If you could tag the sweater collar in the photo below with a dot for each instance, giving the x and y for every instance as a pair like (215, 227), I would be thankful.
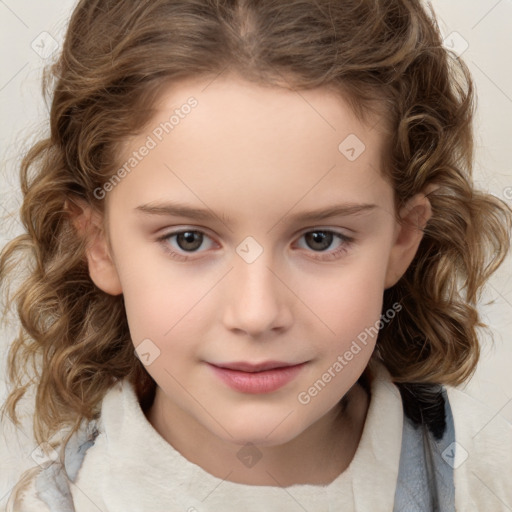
(139, 459)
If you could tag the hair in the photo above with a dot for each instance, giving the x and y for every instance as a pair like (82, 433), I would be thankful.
(383, 57)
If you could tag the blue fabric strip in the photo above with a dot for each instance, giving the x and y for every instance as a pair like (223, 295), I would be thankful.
(425, 475)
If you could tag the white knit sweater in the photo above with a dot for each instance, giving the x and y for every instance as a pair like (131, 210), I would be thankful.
(132, 468)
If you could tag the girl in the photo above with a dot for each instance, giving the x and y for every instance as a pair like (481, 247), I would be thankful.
(302, 352)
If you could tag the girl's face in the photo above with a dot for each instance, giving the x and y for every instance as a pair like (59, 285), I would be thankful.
(290, 241)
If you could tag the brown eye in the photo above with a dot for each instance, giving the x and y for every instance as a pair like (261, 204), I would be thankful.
(189, 240)
(319, 240)
(179, 244)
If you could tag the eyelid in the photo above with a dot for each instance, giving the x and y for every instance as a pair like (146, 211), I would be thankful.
(178, 230)
(331, 229)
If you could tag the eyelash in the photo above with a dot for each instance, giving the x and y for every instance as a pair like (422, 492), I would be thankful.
(326, 256)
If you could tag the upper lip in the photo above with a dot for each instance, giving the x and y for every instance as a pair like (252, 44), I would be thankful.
(244, 366)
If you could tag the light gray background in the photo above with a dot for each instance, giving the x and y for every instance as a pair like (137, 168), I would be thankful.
(484, 24)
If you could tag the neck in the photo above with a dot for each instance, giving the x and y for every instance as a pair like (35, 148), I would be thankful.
(316, 457)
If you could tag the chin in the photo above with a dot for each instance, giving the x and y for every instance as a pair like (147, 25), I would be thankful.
(261, 439)
(269, 433)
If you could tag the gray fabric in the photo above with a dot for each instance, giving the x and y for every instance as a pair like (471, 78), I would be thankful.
(53, 483)
(53, 489)
(425, 479)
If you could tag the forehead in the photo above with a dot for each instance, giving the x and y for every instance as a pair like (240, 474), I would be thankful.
(227, 138)
(232, 106)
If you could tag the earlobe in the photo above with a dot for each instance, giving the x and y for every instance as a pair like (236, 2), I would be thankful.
(415, 215)
(89, 224)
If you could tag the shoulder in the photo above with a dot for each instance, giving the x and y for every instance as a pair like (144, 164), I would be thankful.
(482, 458)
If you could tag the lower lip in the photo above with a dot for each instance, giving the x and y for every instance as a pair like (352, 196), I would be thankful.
(258, 382)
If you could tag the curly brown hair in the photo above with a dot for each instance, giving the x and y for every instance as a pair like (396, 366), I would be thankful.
(382, 56)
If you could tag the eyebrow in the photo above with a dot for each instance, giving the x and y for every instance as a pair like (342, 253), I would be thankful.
(182, 210)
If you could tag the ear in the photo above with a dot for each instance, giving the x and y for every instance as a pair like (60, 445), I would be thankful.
(415, 215)
(89, 224)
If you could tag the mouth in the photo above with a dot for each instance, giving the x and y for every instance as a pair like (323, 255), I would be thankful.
(243, 366)
(256, 378)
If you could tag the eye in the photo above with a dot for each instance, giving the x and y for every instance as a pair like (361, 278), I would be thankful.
(321, 239)
(188, 240)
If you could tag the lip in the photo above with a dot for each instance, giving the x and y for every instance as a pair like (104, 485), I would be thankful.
(244, 366)
(256, 378)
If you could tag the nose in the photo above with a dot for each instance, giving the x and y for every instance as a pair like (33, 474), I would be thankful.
(257, 300)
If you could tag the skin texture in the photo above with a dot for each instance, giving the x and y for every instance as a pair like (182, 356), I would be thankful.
(256, 156)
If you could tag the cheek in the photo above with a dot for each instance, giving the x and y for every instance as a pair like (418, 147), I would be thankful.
(349, 301)
(155, 306)
(166, 302)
